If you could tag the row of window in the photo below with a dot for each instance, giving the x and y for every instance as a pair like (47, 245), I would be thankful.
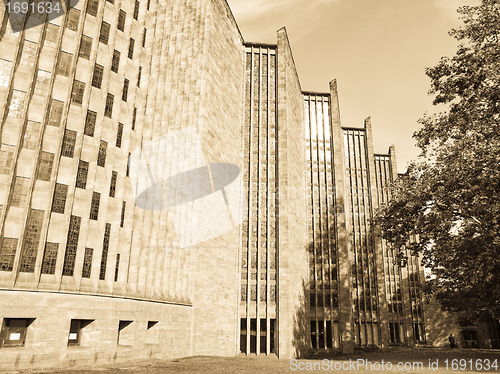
(14, 330)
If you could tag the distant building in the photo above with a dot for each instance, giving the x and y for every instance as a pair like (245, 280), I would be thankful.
(167, 190)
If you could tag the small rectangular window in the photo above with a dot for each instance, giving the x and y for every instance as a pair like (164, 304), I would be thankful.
(153, 333)
(144, 38)
(77, 331)
(77, 94)
(131, 48)
(134, 117)
(117, 265)
(85, 47)
(115, 62)
(104, 34)
(73, 19)
(32, 135)
(64, 64)
(68, 146)
(97, 77)
(112, 187)
(92, 7)
(126, 333)
(90, 121)
(101, 157)
(105, 248)
(50, 258)
(111, 1)
(136, 10)
(139, 76)
(94, 205)
(149, 3)
(108, 110)
(119, 135)
(122, 220)
(29, 250)
(81, 176)
(125, 90)
(121, 20)
(59, 202)
(87, 263)
(45, 166)
(14, 331)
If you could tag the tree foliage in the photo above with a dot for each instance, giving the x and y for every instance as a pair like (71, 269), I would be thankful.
(450, 199)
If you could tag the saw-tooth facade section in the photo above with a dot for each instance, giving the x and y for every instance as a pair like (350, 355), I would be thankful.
(259, 243)
(321, 225)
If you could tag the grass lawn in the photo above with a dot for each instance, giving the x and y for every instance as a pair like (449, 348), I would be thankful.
(397, 360)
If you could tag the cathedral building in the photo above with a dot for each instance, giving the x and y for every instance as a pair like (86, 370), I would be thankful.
(168, 189)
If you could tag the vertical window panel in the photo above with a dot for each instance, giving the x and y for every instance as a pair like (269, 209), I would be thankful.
(28, 54)
(139, 76)
(71, 246)
(45, 166)
(42, 83)
(108, 110)
(77, 94)
(6, 158)
(121, 20)
(64, 63)
(119, 135)
(32, 135)
(69, 141)
(55, 115)
(92, 7)
(17, 104)
(115, 62)
(50, 258)
(125, 89)
(131, 48)
(8, 253)
(97, 77)
(59, 201)
(21, 192)
(31, 241)
(90, 121)
(105, 248)
(101, 157)
(85, 47)
(112, 187)
(73, 19)
(104, 33)
(87, 263)
(5, 69)
(94, 205)
(81, 177)
(117, 265)
(122, 220)
(134, 118)
(136, 10)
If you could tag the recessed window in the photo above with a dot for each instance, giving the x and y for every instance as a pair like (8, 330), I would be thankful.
(68, 147)
(97, 77)
(144, 37)
(101, 157)
(87, 263)
(64, 64)
(112, 187)
(14, 331)
(55, 115)
(77, 330)
(136, 10)
(108, 109)
(125, 89)
(90, 121)
(81, 176)
(85, 47)
(115, 62)
(92, 7)
(121, 20)
(131, 48)
(104, 34)
(128, 165)
(45, 166)
(8, 253)
(122, 221)
(126, 333)
(105, 248)
(139, 76)
(59, 201)
(119, 135)
(94, 206)
(73, 19)
(117, 266)
(134, 117)
(71, 245)
(77, 94)
(50, 258)
(153, 332)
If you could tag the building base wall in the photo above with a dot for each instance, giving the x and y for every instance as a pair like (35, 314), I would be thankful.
(148, 329)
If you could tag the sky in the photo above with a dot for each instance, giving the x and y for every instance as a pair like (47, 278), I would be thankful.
(377, 50)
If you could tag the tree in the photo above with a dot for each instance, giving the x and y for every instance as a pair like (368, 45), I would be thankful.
(450, 198)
